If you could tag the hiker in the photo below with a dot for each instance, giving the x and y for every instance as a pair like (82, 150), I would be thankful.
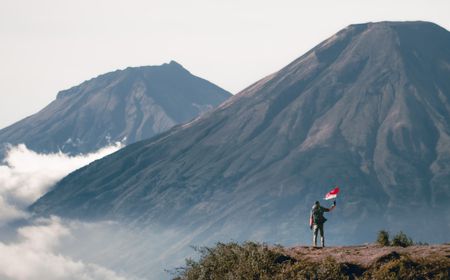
(316, 221)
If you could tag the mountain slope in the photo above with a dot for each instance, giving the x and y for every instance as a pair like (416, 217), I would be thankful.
(125, 105)
(368, 109)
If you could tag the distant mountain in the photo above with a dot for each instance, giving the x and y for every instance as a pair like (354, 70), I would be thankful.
(368, 109)
(125, 105)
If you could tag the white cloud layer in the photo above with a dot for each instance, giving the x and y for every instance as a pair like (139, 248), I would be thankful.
(26, 175)
(35, 256)
(65, 249)
(35, 251)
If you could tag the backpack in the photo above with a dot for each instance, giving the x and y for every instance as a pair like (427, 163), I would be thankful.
(317, 215)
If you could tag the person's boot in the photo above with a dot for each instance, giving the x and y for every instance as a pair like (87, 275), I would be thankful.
(315, 240)
(322, 240)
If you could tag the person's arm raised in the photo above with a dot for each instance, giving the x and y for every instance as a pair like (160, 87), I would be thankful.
(334, 206)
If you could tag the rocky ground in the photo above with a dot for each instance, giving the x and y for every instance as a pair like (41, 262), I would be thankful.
(367, 255)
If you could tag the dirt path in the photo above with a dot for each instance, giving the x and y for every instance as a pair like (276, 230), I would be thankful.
(365, 255)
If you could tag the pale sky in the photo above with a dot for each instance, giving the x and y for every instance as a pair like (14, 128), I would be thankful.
(50, 45)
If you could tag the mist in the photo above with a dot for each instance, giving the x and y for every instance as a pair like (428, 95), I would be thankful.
(35, 255)
(26, 175)
(57, 248)
(32, 248)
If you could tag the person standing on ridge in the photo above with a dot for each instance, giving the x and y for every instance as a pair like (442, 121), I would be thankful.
(316, 221)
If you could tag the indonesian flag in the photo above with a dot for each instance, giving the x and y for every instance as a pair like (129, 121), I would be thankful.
(332, 194)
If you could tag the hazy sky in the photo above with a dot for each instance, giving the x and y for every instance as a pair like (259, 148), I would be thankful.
(51, 45)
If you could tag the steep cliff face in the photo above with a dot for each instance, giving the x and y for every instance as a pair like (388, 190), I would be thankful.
(126, 105)
(368, 109)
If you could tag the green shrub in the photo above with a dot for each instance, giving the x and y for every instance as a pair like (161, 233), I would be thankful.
(383, 238)
(405, 268)
(402, 268)
(234, 261)
(328, 268)
(402, 240)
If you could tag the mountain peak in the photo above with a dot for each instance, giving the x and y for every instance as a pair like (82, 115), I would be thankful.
(388, 44)
(131, 70)
(170, 65)
(396, 24)
(133, 104)
(175, 64)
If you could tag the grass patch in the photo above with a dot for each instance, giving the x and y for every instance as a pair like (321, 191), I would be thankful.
(404, 267)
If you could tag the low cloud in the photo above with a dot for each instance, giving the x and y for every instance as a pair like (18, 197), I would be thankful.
(48, 248)
(34, 255)
(26, 175)
(58, 248)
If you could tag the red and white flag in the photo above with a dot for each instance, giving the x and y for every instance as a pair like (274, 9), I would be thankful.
(332, 194)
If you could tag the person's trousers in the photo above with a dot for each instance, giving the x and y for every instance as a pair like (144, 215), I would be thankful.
(316, 230)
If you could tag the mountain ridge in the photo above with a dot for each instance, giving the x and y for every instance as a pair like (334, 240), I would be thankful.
(172, 63)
